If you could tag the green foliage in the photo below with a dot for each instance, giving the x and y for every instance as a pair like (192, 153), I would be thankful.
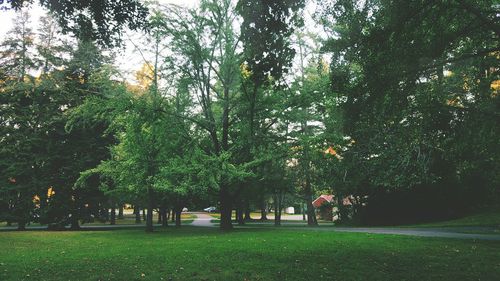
(265, 31)
(38, 154)
(94, 20)
(415, 84)
(407, 109)
(16, 55)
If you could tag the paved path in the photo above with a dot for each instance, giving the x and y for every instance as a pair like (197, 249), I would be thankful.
(422, 232)
(202, 219)
(443, 232)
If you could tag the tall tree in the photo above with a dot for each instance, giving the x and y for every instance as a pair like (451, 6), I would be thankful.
(16, 55)
(266, 32)
(205, 44)
(52, 47)
(26, 112)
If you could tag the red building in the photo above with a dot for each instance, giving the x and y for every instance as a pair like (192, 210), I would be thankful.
(323, 199)
(324, 205)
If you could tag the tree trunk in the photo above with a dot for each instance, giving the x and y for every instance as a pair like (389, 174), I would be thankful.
(277, 210)
(43, 208)
(173, 215)
(113, 215)
(263, 210)
(311, 216)
(75, 225)
(21, 225)
(149, 217)
(149, 220)
(178, 217)
(342, 212)
(160, 216)
(120, 212)
(164, 217)
(104, 213)
(240, 214)
(248, 217)
(144, 216)
(225, 208)
(137, 212)
(303, 212)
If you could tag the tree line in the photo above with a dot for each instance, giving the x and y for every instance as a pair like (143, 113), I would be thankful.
(393, 108)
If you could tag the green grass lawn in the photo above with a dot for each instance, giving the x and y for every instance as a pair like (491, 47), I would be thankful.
(485, 218)
(247, 254)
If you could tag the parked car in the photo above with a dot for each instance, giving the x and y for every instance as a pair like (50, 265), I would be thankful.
(210, 209)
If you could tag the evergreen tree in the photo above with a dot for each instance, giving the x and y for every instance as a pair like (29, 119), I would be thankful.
(51, 46)
(16, 50)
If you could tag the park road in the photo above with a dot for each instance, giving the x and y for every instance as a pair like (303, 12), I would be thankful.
(202, 219)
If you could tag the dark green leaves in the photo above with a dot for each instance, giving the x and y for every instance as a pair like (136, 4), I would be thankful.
(98, 20)
(265, 32)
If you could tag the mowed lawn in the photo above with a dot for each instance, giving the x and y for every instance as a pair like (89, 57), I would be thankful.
(485, 218)
(191, 253)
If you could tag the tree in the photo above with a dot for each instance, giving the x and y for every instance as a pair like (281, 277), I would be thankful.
(16, 57)
(81, 146)
(94, 20)
(402, 71)
(267, 56)
(265, 31)
(51, 48)
(40, 155)
(21, 138)
(205, 43)
(26, 113)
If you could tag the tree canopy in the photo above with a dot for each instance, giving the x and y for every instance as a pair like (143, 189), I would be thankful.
(98, 20)
(242, 106)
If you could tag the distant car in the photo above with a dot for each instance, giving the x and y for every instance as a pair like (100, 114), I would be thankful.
(210, 209)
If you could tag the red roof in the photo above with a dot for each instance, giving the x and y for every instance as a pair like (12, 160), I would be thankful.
(329, 199)
(322, 199)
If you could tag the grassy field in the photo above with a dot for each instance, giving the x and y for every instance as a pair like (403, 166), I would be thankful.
(206, 254)
(485, 218)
